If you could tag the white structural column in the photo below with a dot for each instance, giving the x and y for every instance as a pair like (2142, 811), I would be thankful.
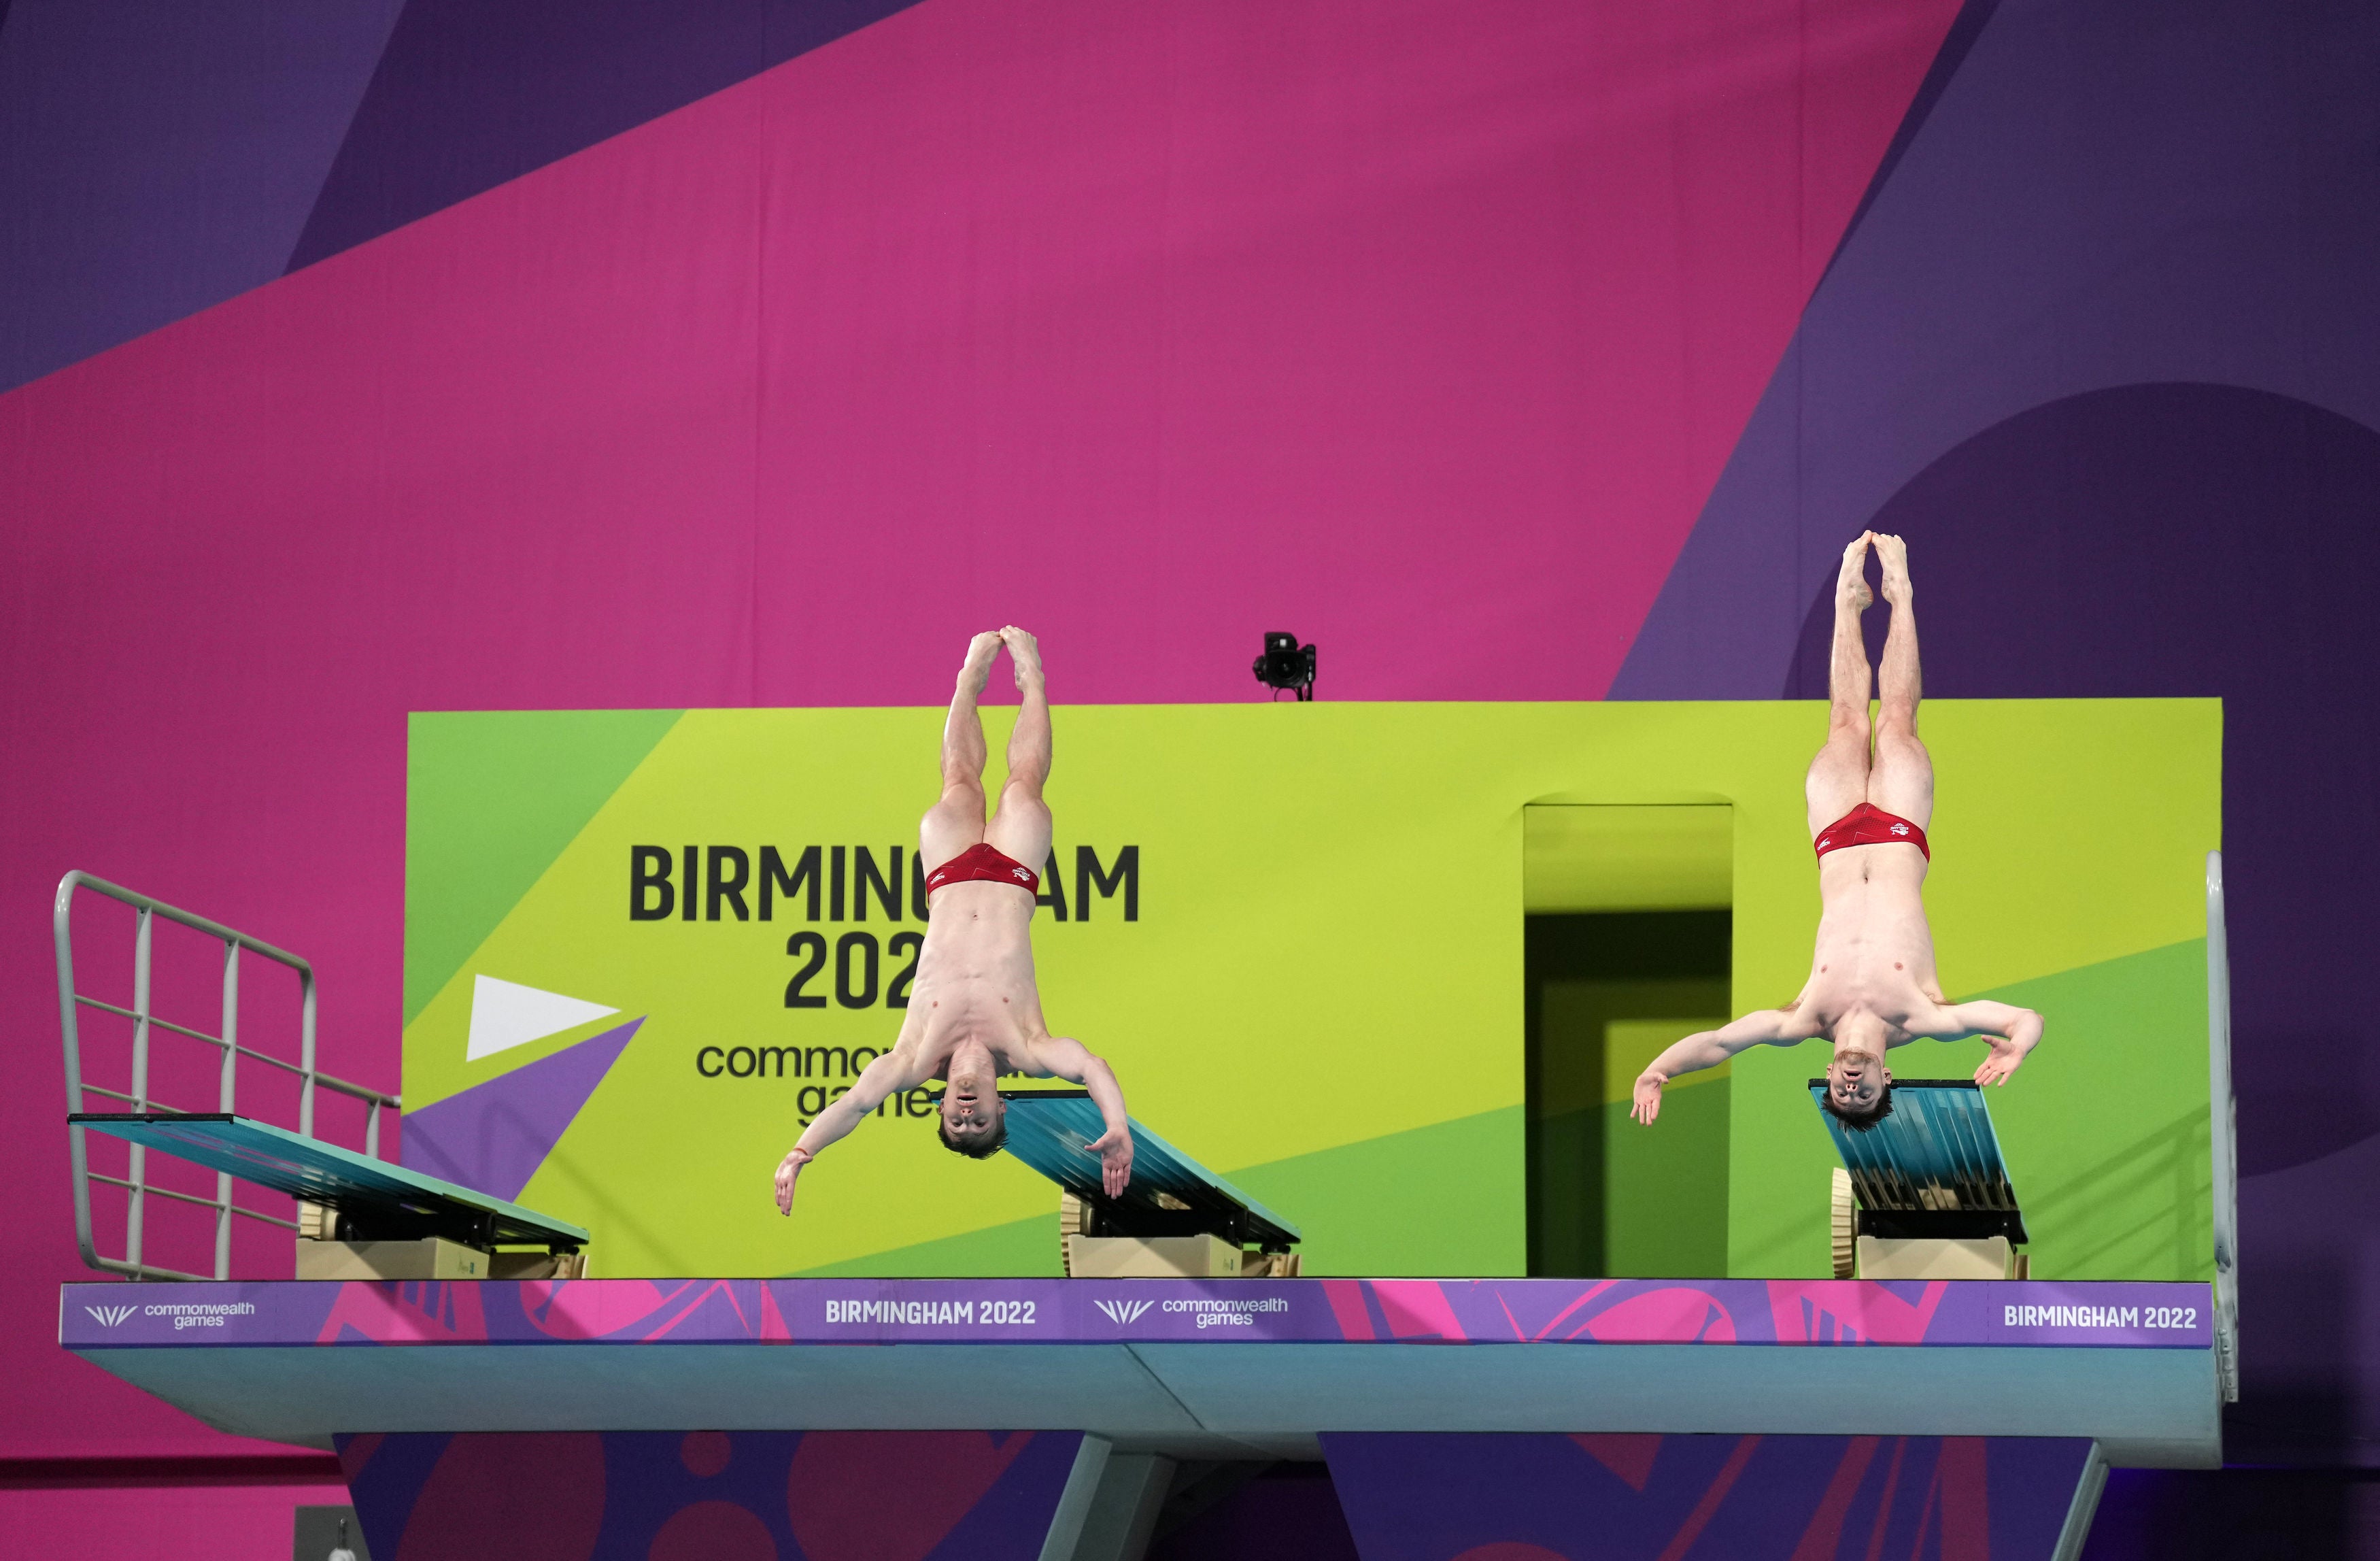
(1111, 1505)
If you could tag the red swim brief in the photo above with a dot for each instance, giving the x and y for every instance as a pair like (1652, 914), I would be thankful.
(980, 862)
(1868, 824)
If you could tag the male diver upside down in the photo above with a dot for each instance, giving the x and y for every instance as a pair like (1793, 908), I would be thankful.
(974, 1010)
(1870, 794)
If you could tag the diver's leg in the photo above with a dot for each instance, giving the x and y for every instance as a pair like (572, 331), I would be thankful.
(1020, 829)
(1903, 779)
(956, 820)
(1838, 781)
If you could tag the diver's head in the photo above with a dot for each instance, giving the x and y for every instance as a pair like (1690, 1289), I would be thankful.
(1859, 1087)
(975, 1119)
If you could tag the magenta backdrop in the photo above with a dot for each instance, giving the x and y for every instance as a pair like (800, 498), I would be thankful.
(186, 1523)
(1420, 329)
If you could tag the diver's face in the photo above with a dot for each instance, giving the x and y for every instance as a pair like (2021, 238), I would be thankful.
(1856, 1081)
(970, 1115)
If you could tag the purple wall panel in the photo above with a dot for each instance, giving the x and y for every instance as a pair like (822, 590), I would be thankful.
(469, 95)
(2311, 1350)
(2237, 1515)
(710, 1495)
(158, 158)
(1412, 1497)
(1289, 1512)
(2107, 193)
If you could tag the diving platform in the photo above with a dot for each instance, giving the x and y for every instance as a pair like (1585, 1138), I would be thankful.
(1063, 1418)
(1183, 1369)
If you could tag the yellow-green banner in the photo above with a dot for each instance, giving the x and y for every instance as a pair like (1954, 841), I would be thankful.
(643, 947)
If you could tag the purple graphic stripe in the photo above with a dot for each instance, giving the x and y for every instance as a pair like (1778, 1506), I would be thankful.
(1450, 1312)
(494, 1136)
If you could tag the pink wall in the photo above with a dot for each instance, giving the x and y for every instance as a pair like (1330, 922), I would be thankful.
(149, 1523)
(1423, 330)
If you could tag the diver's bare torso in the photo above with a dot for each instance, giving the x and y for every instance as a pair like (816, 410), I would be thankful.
(1874, 953)
(974, 982)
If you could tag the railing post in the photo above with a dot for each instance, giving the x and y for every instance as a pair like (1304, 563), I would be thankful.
(134, 1219)
(2222, 1122)
(305, 1053)
(69, 1025)
(226, 1104)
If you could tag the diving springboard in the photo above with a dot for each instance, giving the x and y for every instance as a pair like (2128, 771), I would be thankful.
(1933, 1168)
(381, 1200)
(1050, 1130)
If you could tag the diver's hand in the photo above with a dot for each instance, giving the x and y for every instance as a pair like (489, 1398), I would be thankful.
(1648, 1096)
(1114, 1150)
(788, 1170)
(2006, 1058)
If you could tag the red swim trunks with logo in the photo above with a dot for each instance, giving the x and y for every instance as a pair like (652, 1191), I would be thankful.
(1867, 824)
(980, 862)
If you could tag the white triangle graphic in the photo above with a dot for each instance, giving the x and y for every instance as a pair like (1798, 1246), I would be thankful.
(506, 1014)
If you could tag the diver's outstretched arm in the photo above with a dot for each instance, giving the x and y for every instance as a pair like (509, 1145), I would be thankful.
(2013, 1032)
(878, 1079)
(1071, 1060)
(1709, 1048)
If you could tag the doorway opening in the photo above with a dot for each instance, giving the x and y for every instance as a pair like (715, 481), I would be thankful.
(1629, 932)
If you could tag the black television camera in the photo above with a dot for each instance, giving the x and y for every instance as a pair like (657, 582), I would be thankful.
(1286, 664)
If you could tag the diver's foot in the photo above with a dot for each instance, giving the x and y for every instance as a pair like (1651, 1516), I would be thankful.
(1893, 554)
(976, 671)
(1025, 656)
(1851, 582)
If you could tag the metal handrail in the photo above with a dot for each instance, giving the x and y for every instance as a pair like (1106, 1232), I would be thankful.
(336, 1085)
(235, 941)
(257, 1214)
(2223, 1134)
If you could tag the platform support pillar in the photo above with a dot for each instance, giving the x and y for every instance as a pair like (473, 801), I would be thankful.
(1074, 1502)
(1111, 1505)
(2085, 1507)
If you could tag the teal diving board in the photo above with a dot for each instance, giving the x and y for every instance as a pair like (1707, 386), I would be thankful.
(375, 1200)
(1052, 1129)
(1933, 1168)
